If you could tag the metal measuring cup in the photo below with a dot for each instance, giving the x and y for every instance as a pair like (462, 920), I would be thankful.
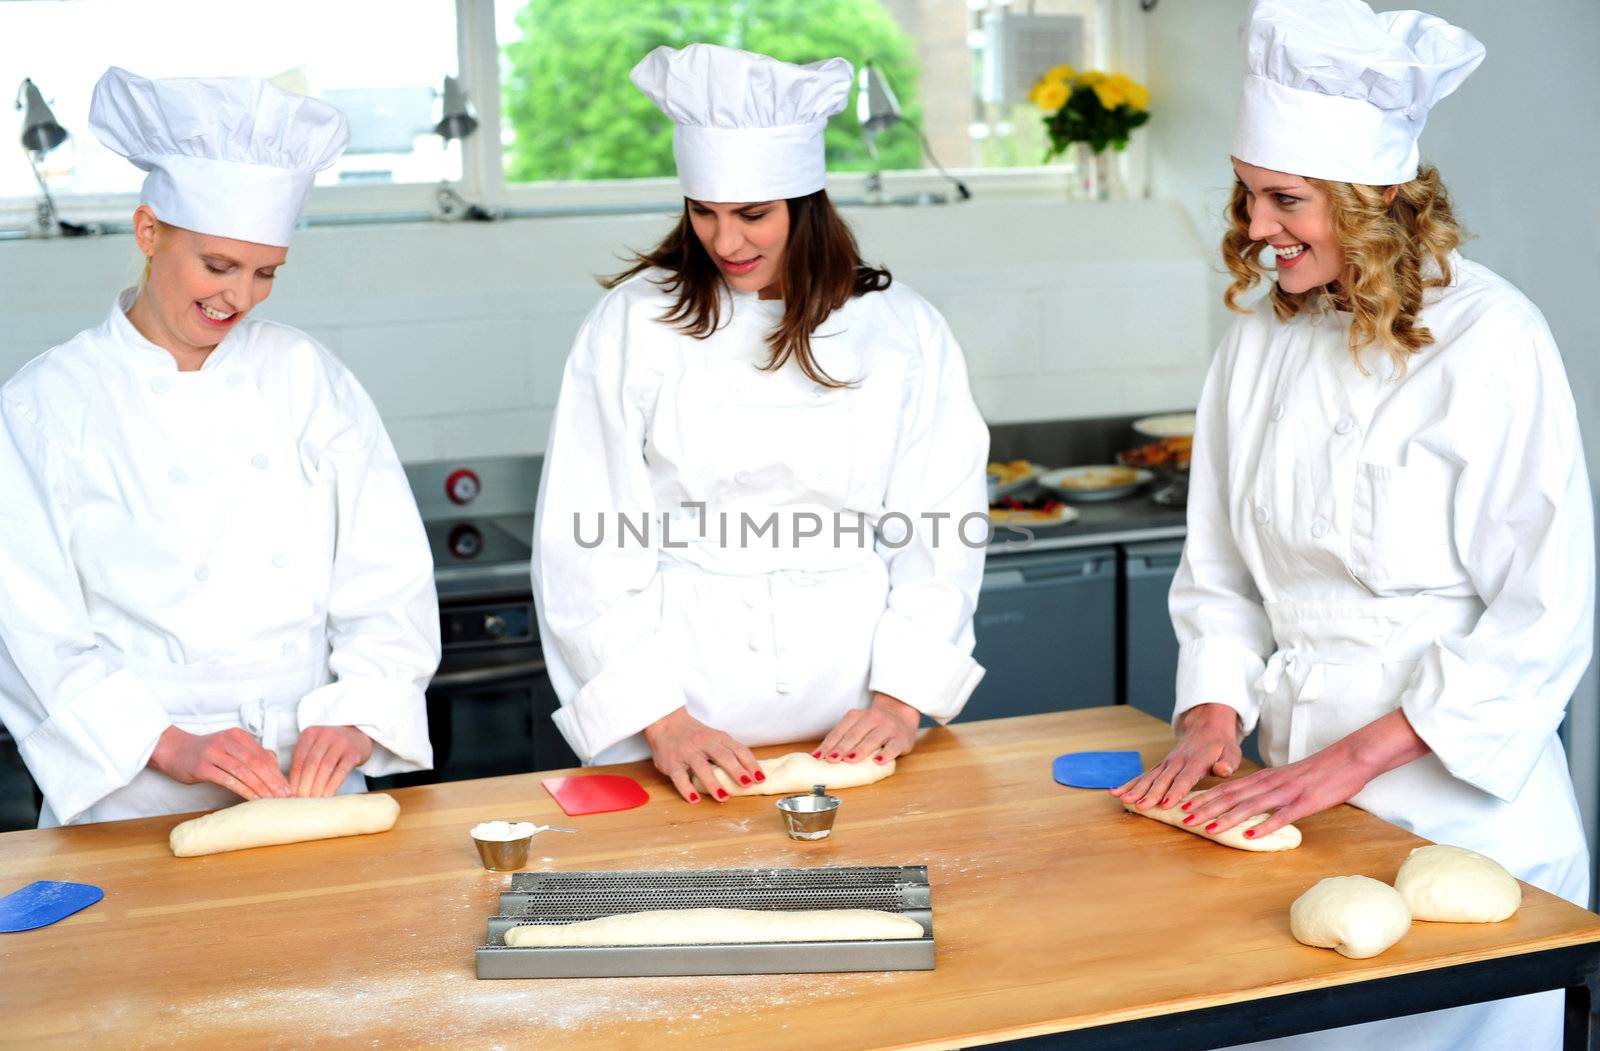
(809, 816)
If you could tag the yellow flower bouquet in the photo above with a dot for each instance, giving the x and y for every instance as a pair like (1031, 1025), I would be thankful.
(1100, 109)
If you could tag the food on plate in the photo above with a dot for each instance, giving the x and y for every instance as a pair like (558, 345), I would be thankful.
(1099, 478)
(1285, 838)
(1169, 454)
(1011, 471)
(1170, 425)
(1456, 885)
(1013, 512)
(1356, 916)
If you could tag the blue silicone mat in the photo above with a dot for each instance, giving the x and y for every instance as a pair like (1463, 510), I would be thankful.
(1096, 769)
(43, 903)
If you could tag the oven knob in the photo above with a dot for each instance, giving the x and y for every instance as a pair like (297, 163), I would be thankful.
(463, 486)
(494, 625)
(466, 541)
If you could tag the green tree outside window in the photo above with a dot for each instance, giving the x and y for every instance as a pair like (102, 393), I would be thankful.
(576, 115)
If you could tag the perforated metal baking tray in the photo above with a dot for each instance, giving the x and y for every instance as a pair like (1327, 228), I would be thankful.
(566, 897)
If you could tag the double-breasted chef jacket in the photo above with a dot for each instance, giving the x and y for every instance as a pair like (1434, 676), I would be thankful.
(770, 637)
(1361, 542)
(235, 546)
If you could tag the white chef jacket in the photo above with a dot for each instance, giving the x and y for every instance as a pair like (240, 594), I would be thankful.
(768, 634)
(233, 546)
(1359, 543)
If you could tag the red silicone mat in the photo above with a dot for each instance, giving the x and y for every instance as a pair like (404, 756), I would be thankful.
(595, 793)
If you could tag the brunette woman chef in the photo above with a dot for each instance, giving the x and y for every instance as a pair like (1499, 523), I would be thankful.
(1390, 562)
(211, 554)
(826, 412)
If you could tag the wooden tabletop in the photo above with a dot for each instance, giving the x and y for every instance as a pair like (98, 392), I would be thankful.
(1053, 910)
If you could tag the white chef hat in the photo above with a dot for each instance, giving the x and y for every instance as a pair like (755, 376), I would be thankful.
(1333, 90)
(227, 156)
(747, 127)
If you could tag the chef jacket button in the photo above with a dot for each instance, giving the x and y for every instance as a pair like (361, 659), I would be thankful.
(280, 559)
(755, 642)
(741, 478)
(178, 476)
(289, 648)
(202, 572)
(1261, 514)
(1277, 412)
(160, 386)
(259, 462)
(1345, 426)
(1319, 529)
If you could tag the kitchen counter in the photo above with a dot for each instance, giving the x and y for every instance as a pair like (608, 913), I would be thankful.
(1128, 520)
(1053, 911)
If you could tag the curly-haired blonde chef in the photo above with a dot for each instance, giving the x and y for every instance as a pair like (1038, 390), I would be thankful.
(214, 583)
(1390, 559)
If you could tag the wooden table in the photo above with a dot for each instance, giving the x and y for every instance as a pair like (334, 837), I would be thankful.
(1055, 913)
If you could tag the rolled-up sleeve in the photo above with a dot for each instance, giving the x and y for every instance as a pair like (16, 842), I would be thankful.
(1224, 636)
(1487, 701)
(84, 727)
(922, 645)
(383, 612)
(600, 605)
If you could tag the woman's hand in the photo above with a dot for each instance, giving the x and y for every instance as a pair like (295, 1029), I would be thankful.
(885, 729)
(1208, 745)
(1314, 784)
(324, 757)
(682, 745)
(230, 758)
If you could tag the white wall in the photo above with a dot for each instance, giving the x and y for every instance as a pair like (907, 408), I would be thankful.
(1518, 145)
(459, 331)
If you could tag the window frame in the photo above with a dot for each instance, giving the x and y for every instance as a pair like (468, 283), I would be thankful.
(483, 181)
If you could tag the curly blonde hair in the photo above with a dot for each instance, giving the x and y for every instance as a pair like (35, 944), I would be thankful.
(1386, 245)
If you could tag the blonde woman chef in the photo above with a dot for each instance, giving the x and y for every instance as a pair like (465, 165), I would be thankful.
(214, 583)
(1390, 561)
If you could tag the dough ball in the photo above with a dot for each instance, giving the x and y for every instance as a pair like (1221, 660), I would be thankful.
(1456, 885)
(1356, 916)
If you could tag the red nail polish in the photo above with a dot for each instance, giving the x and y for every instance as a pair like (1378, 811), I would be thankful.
(694, 797)
(852, 755)
(879, 758)
(1164, 802)
(816, 755)
(1211, 827)
(1191, 819)
(833, 755)
(760, 776)
(744, 779)
(722, 793)
(1189, 804)
(1250, 833)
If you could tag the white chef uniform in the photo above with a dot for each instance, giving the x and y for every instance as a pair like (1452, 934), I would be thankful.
(230, 547)
(771, 636)
(1419, 540)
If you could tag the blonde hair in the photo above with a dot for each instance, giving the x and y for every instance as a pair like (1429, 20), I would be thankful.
(1386, 247)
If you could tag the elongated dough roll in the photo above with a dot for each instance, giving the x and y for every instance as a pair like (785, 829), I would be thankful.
(268, 822)
(720, 927)
(798, 771)
(1285, 838)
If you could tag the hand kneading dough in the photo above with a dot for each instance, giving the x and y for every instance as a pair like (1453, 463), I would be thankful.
(1456, 885)
(1356, 916)
(268, 822)
(720, 927)
(1286, 838)
(798, 771)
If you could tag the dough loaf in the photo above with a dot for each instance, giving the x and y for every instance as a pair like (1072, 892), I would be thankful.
(798, 771)
(268, 822)
(720, 927)
(1456, 885)
(1286, 838)
(1356, 916)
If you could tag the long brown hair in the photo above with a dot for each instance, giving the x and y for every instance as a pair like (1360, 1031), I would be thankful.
(822, 271)
(1386, 246)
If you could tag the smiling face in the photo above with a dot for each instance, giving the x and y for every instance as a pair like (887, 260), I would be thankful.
(746, 241)
(1295, 218)
(199, 287)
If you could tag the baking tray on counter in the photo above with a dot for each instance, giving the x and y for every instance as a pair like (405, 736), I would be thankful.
(567, 897)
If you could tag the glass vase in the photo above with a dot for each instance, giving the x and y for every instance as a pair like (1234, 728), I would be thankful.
(1095, 176)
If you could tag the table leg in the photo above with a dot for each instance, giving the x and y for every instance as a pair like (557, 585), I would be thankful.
(1575, 1030)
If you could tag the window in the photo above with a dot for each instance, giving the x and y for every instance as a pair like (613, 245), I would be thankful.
(386, 83)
